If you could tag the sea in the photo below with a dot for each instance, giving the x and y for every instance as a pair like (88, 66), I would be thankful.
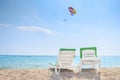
(43, 61)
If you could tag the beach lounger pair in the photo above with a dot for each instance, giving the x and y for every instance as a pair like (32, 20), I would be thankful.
(88, 56)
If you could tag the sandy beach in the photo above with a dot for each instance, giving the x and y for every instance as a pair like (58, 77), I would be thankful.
(47, 74)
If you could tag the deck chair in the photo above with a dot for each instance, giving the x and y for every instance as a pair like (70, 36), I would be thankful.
(88, 56)
(65, 60)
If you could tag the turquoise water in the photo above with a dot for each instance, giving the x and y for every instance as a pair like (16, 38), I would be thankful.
(10, 62)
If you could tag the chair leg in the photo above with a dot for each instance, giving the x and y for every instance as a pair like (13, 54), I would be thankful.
(99, 65)
(80, 66)
(93, 66)
(76, 69)
(57, 71)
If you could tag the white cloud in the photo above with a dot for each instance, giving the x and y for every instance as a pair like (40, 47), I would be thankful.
(5, 25)
(34, 28)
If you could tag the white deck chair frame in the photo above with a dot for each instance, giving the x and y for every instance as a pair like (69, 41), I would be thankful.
(89, 57)
(65, 59)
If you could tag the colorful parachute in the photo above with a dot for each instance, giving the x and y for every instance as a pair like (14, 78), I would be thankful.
(72, 11)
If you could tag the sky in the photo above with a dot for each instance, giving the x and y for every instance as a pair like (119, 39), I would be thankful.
(42, 27)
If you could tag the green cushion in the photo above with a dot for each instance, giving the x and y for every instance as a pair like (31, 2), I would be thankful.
(67, 49)
(88, 48)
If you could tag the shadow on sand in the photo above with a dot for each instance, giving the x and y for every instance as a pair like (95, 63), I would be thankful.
(85, 74)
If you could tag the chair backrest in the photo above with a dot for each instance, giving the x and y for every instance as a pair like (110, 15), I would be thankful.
(88, 52)
(66, 56)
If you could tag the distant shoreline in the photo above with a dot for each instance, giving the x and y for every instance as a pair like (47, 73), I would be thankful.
(57, 55)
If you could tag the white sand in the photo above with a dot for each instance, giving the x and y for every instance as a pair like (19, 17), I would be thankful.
(46, 74)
